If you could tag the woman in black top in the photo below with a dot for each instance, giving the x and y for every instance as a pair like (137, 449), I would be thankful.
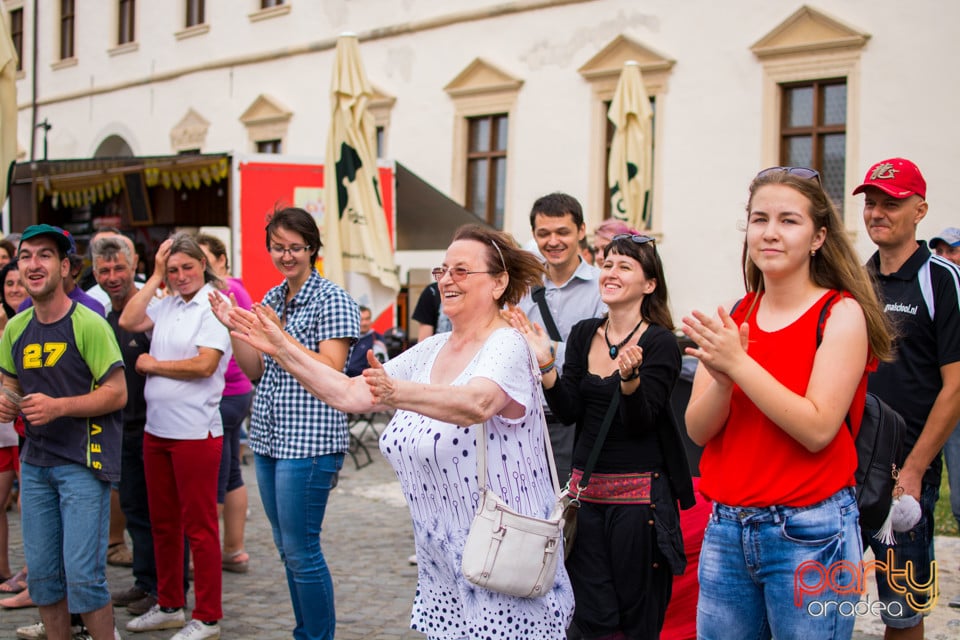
(628, 543)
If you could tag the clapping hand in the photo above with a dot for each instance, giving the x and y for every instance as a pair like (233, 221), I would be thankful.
(382, 386)
(260, 328)
(221, 306)
(720, 343)
(629, 361)
(536, 337)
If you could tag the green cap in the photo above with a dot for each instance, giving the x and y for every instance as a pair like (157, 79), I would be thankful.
(63, 238)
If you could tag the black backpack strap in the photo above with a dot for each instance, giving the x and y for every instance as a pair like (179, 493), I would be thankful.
(822, 320)
(821, 323)
(540, 297)
(733, 309)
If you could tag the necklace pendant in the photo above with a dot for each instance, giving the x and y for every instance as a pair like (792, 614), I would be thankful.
(614, 350)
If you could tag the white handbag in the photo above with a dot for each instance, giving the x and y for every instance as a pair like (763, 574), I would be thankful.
(510, 552)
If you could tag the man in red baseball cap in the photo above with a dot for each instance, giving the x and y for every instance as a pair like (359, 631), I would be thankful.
(921, 298)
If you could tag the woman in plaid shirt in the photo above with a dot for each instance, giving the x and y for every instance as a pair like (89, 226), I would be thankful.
(299, 441)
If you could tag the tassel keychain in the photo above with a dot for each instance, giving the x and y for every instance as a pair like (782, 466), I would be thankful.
(905, 513)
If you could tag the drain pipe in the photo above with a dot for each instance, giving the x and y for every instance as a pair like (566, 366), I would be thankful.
(33, 88)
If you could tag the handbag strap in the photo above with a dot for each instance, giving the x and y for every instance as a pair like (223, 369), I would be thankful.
(604, 430)
(539, 295)
(598, 444)
(482, 442)
(482, 458)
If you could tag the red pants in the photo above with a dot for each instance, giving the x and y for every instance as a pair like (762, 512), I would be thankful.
(182, 494)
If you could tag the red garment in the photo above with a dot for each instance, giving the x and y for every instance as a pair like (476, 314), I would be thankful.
(182, 495)
(754, 463)
(680, 622)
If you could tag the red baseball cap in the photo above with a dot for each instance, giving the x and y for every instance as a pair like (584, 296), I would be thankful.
(897, 177)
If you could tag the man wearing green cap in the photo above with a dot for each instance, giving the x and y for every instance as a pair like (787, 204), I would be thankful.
(63, 371)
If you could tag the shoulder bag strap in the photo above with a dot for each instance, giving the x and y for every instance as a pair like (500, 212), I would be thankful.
(598, 445)
(482, 458)
(539, 296)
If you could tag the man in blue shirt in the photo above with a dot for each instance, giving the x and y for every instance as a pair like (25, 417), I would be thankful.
(571, 293)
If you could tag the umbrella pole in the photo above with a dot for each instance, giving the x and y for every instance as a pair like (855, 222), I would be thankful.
(644, 214)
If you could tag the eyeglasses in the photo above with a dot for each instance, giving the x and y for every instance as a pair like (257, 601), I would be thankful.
(801, 172)
(457, 273)
(294, 250)
(637, 239)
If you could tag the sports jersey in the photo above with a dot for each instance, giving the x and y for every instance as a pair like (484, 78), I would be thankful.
(66, 358)
(922, 301)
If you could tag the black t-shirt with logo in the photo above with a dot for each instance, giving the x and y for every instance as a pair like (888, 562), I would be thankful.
(922, 299)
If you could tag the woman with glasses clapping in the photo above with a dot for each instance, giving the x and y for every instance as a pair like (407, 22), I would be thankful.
(442, 388)
(298, 441)
(628, 544)
(779, 374)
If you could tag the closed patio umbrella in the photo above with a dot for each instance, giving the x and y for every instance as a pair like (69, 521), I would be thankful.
(8, 103)
(631, 151)
(357, 250)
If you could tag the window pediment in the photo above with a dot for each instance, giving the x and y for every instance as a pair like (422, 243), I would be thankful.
(482, 77)
(608, 62)
(263, 110)
(190, 132)
(808, 30)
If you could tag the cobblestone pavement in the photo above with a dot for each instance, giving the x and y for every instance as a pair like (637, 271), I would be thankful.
(367, 539)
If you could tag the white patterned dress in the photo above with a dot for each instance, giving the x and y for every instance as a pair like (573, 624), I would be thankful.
(436, 464)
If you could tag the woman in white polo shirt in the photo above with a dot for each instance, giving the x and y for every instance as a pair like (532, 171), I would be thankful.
(182, 441)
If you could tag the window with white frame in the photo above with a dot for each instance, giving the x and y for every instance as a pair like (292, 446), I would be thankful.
(483, 97)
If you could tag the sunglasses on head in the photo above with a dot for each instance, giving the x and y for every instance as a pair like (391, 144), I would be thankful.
(801, 172)
(636, 238)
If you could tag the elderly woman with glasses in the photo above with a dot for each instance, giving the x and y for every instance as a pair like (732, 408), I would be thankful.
(298, 440)
(628, 544)
(777, 401)
(442, 388)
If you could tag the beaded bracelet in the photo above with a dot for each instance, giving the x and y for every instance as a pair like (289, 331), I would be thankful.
(633, 376)
(547, 368)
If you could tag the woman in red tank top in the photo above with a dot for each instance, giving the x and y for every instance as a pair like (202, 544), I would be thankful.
(768, 405)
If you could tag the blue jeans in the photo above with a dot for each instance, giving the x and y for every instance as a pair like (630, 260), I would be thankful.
(916, 548)
(66, 520)
(749, 583)
(294, 493)
(233, 411)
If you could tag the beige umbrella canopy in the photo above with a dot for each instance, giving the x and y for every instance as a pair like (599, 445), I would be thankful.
(631, 151)
(357, 249)
(8, 103)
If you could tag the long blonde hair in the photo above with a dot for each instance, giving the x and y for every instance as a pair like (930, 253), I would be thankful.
(835, 264)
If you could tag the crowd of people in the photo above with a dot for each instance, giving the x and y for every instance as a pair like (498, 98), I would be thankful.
(572, 343)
